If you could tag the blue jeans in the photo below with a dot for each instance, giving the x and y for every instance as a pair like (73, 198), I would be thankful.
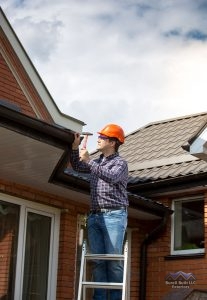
(106, 234)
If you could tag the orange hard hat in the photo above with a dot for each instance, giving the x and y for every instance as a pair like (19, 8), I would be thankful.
(113, 131)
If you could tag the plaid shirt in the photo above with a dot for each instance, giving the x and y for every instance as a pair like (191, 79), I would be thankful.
(108, 179)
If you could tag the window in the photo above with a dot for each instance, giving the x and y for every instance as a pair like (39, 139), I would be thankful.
(36, 256)
(188, 226)
(28, 249)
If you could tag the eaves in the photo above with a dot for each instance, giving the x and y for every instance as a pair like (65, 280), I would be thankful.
(145, 206)
(171, 185)
(36, 154)
(33, 152)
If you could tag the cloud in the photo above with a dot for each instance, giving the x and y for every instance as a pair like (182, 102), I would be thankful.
(41, 37)
(196, 34)
(127, 62)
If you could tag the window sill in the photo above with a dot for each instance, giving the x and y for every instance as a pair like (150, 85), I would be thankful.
(184, 256)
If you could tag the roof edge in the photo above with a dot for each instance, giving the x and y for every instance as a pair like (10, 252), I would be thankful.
(169, 120)
(30, 126)
(162, 186)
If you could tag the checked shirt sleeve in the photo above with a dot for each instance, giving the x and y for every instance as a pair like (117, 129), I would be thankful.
(117, 171)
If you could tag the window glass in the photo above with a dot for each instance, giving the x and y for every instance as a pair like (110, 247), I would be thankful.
(189, 225)
(36, 257)
(9, 224)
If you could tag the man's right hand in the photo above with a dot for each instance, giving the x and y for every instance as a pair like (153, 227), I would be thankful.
(76, 142)
(84, 155)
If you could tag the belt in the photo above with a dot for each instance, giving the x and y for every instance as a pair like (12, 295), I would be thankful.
(105, 210)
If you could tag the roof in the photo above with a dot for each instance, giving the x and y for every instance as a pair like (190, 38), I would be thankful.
(155, 152)
(16, 46)
(185, 293)
(36, 154)
(158, 157)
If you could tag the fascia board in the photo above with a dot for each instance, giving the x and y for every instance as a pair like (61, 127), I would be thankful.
(58, 117)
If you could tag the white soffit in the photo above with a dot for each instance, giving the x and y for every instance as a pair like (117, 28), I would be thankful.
(30, 162)
(26, 160)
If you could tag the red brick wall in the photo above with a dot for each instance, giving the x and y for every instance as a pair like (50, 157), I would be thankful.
(68, 233)
(140, 229)
(10, 88)
(158, 266)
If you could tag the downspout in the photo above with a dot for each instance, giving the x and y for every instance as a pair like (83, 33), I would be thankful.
(143, 256)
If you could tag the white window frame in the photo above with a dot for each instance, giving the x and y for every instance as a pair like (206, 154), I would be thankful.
(187, 251)
(54, 214)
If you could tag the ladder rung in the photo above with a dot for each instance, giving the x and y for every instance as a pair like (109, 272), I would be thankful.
(105, 256)
(105, 285)
(83, 284)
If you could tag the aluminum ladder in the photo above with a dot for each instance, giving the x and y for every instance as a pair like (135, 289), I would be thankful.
(83, 284)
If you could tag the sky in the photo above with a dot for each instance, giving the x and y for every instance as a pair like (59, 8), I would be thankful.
(127, 62)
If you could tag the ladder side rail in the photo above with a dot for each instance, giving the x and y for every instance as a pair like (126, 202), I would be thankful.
(84, 277)
(125, 270)
(81, 270)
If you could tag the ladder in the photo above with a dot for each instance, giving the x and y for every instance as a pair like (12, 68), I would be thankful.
(83, 284)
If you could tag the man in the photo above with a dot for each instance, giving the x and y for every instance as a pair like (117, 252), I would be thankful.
(107, 221)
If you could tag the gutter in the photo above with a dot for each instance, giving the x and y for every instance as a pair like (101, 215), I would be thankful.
(15, 120)
(152, 188)
(143, 256)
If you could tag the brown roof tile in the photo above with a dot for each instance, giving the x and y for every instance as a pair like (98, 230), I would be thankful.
(155, 152)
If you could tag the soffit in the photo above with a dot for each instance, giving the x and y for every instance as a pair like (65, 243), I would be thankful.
(32, 152)
(26, 160)
(31, 163)
(36, 154)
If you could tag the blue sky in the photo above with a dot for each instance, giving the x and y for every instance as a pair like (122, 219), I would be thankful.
(126, 62)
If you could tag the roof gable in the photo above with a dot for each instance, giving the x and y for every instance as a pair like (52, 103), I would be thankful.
(32, 86)
(11, 91)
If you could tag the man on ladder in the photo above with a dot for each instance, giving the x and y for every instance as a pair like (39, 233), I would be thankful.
(107, 220)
